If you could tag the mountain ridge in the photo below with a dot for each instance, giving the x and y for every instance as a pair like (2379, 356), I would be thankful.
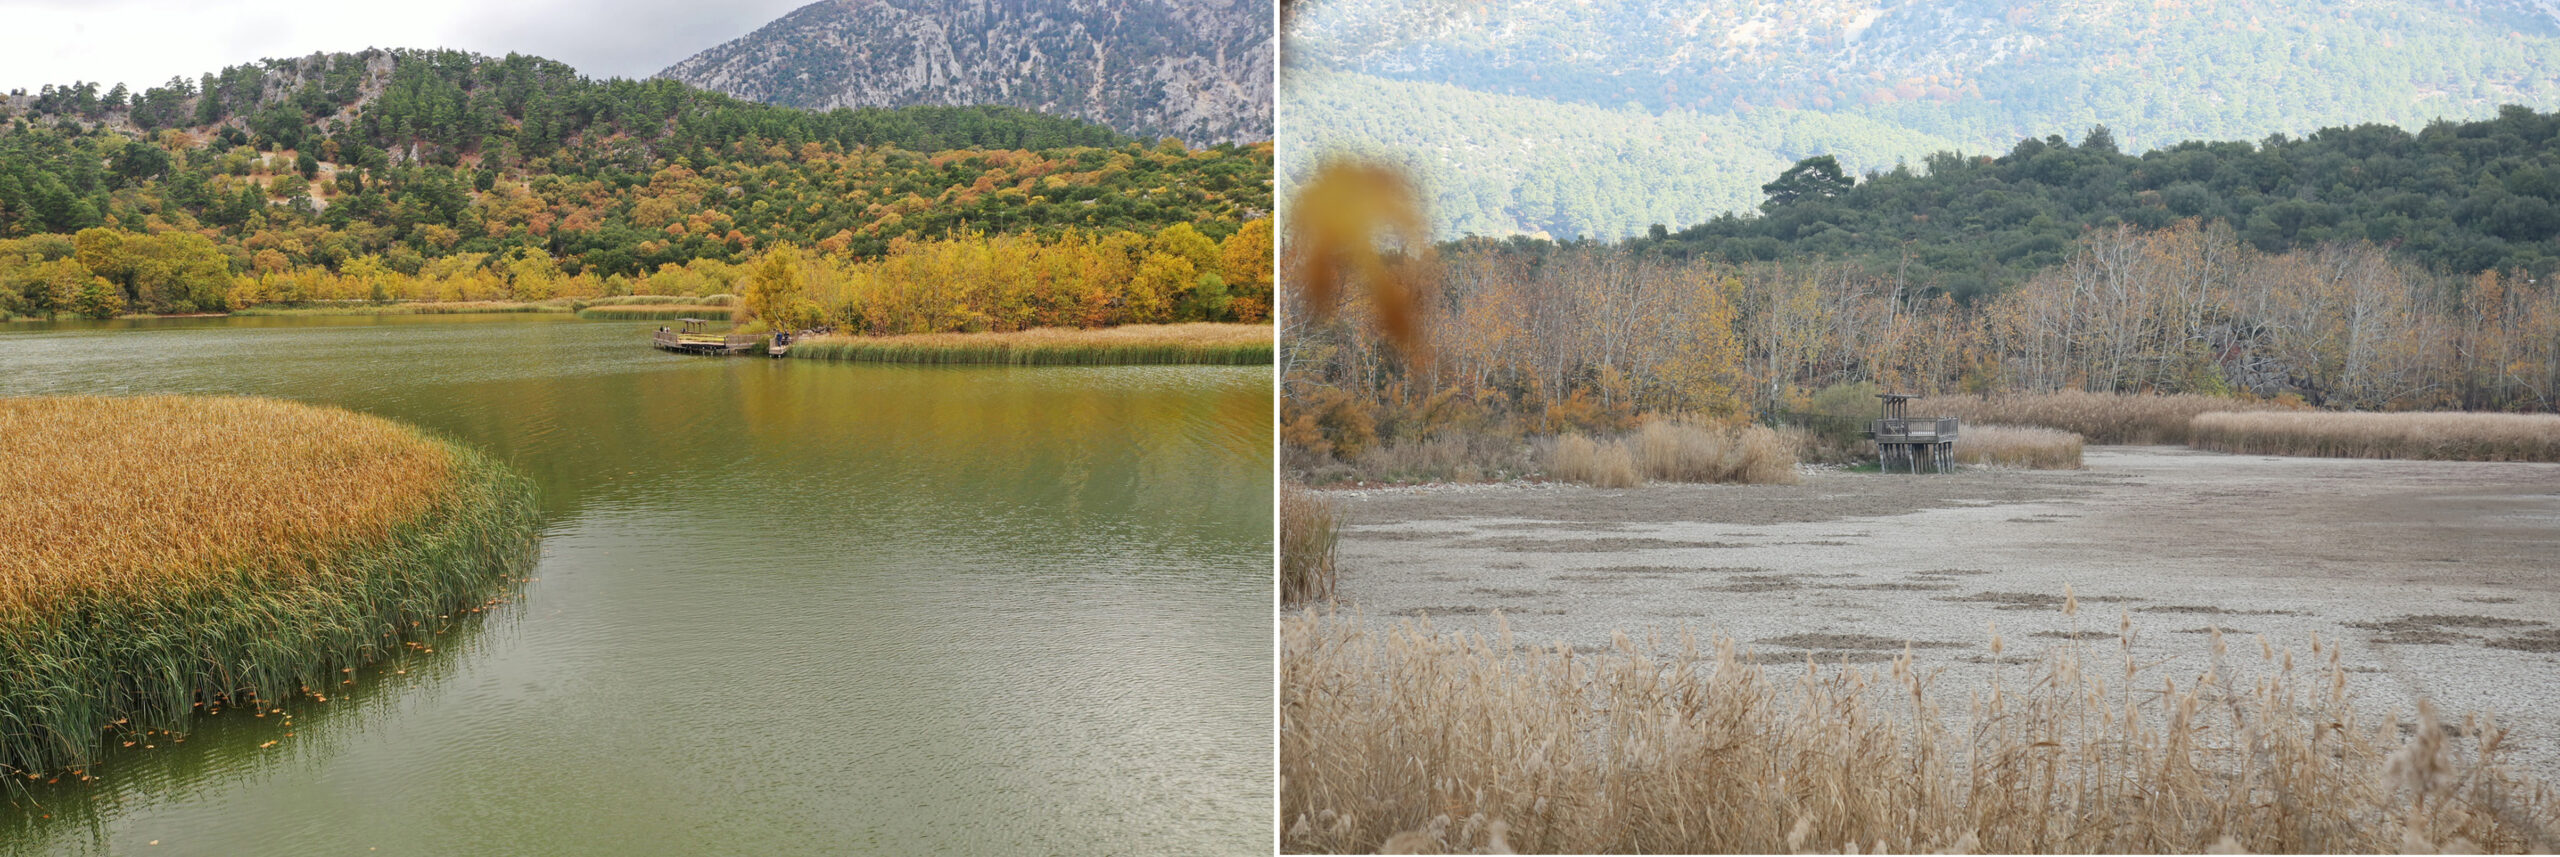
(1976, 75)
(1200, 72)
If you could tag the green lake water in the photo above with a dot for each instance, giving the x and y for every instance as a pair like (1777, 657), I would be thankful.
(783, 607)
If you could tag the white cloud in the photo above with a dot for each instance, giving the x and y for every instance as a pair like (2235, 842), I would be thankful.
(145, 42)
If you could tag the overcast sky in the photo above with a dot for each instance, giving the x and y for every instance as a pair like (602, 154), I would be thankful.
(143, 42)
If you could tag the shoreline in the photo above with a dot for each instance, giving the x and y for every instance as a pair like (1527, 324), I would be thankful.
(1189, 343)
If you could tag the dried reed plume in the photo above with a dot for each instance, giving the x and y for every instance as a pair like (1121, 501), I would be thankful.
(2451, 436)
(2099, 417)
(1310, 528)
(2018, 446)
(1681, 451)
(166, 551)
(1415, 740)
(1599, 464)
(1193, 342)
(1667, 450)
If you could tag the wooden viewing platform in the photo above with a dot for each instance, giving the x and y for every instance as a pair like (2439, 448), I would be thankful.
(1905, 438)
(694, 340)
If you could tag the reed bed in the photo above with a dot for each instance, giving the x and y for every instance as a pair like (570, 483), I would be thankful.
(1676, 451)
(656, 312)
(167, 554)
(2018, 446)
(1195, 342)
(664, 300)
(1597, 463)
(1310, 529)
(1449, 455)
(2437, 435)
(1681, 451)
(1409, 740)
(410, 308)
(2097, 417)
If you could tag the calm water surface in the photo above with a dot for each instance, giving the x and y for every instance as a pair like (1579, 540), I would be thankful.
(782, 608)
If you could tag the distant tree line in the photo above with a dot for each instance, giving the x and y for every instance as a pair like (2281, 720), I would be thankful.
(2453, 198)
(412, 157)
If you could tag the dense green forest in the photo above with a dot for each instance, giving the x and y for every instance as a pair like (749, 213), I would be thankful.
(407, 157)
(2454, 198)
(1580, 86)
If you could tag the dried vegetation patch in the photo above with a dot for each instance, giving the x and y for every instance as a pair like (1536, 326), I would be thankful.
(2447, 436)
(1409, 740)
(169, 554)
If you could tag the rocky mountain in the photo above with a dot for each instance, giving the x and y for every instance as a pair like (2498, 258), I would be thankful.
(1440, 83)
(1197, 70)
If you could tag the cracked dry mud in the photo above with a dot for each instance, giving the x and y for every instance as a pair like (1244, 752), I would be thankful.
(2441, 578)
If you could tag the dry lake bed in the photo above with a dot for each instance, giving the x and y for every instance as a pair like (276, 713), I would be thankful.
(2442, 579)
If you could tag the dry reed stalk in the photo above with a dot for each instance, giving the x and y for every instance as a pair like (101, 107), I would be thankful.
(1310, 529)
(1599, 464)
(2098, 417)
(2439, 435)
(1681, 451)
(167, 551)
(2018, 446)
(1426, 741)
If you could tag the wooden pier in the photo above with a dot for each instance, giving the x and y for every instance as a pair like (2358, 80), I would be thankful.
(694, 340)
(1903, 438)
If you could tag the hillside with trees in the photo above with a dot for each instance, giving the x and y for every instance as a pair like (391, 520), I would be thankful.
(1917, 78)
(1192, 70)
(416, 163)
(2453, 198)
(2357, 268)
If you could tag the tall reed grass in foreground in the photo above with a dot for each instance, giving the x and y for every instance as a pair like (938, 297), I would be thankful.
(1415, 741)
(1676, 451)
(2452, 436)
(1194, 342)
(169, 552)
(1310, 529)
(2098, 417)
(2018, 446)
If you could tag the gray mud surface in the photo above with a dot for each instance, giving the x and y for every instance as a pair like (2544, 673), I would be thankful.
(2441, 578)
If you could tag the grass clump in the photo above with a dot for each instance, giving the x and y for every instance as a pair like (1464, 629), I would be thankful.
(167, 552)
(2018, 446)
(1597, 463)
(1666, 450)
(1415, 741)
(2439, 435)
(1310, 529)
(1679, 451)
(2098, 417)
(1130, 344)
